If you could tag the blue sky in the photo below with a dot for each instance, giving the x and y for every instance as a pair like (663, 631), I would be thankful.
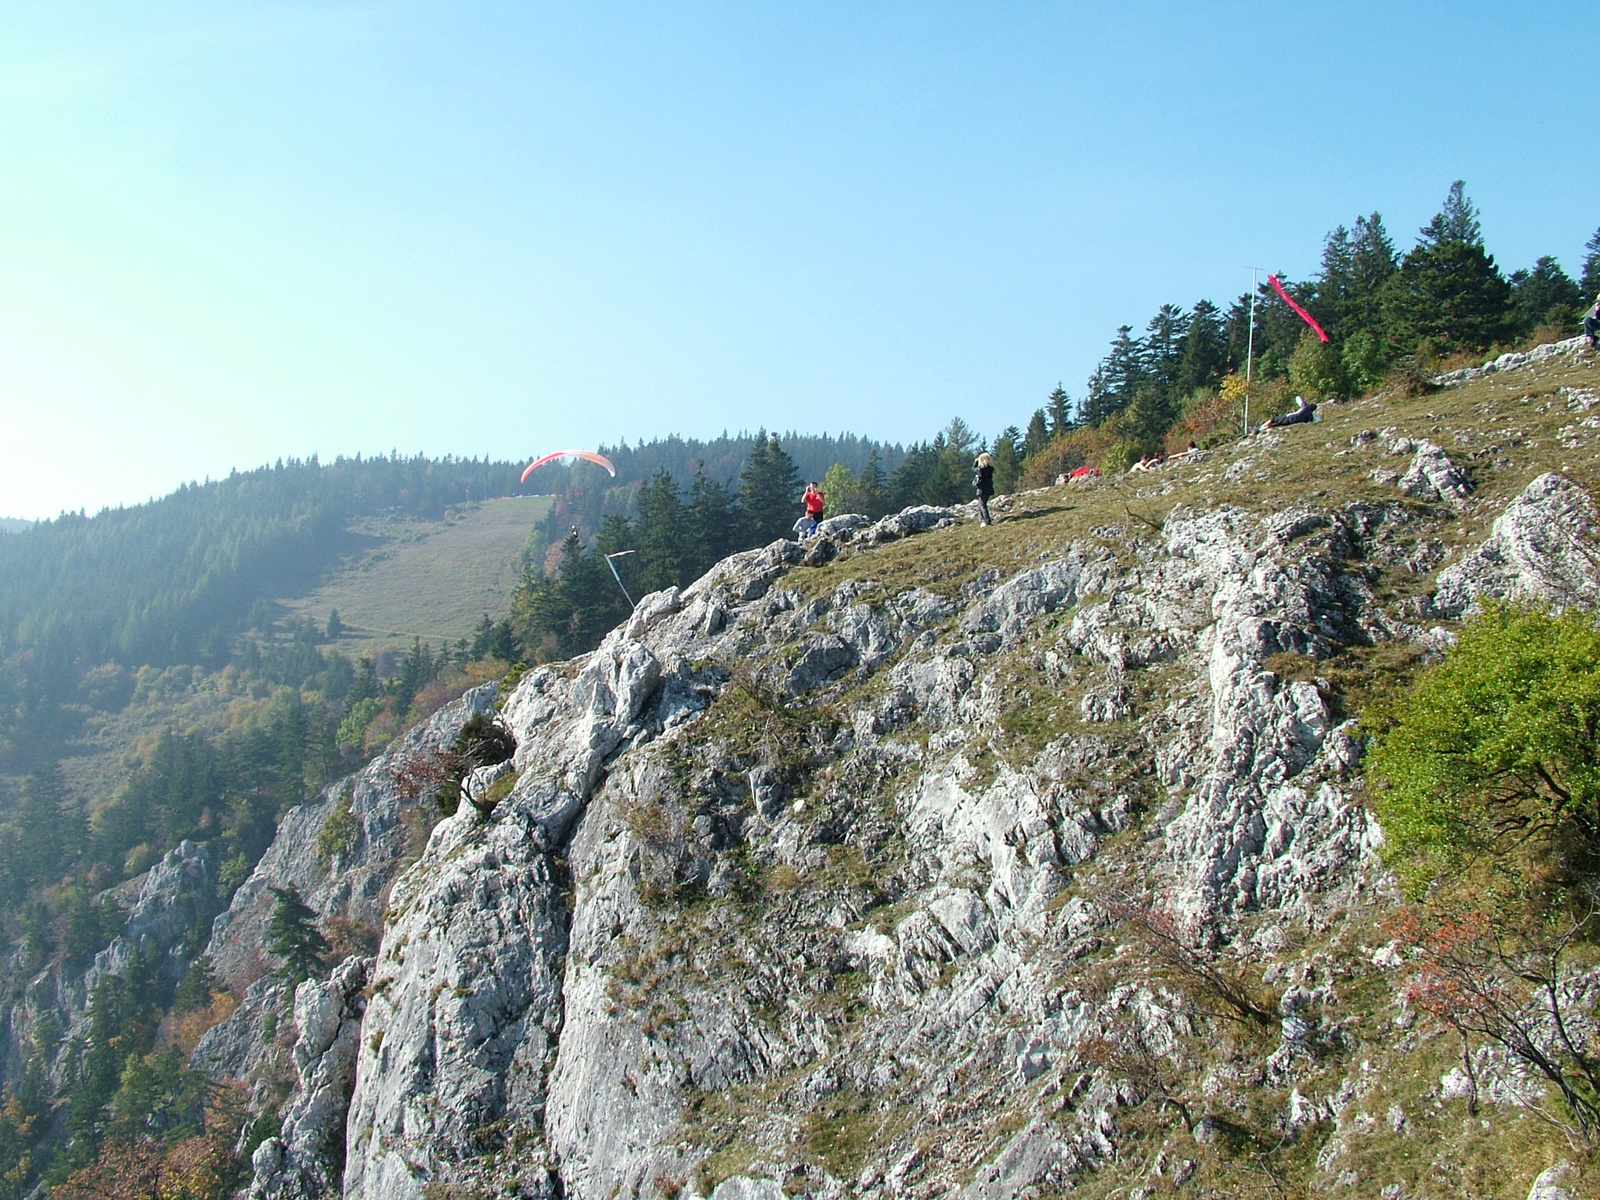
(233, 232)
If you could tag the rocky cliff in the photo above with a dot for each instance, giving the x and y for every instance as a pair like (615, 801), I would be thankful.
(895, 863)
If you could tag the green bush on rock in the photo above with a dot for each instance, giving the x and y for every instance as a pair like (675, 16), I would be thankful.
(1497, 748)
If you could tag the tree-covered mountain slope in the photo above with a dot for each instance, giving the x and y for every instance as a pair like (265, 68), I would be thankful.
(927, 858)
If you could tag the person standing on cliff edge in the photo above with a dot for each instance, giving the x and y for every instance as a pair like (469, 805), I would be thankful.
(814, 503)
(983, 482)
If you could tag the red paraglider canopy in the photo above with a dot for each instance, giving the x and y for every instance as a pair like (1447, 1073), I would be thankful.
(588, 455)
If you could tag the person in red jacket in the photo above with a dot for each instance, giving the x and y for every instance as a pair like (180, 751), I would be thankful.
(814, 504)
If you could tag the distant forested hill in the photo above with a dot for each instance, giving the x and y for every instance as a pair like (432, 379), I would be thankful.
(168, 581)
(174, 580)
(179, 580)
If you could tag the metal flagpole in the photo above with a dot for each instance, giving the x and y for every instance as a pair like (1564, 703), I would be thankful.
(618, 578)
(1250, 349)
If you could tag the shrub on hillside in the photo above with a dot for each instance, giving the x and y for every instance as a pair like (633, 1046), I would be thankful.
(1068, 451)
(1211, 415)
(1496, 750)
(1315, 370)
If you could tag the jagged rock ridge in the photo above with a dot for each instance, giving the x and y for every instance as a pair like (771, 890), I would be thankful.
(544, 1015)
(803, 883)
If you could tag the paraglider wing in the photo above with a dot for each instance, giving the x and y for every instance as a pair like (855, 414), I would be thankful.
(588, 455)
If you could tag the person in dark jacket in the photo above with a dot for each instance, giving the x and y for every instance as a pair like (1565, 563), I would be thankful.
(1304, 413)
(1591, 324)
(983, 481)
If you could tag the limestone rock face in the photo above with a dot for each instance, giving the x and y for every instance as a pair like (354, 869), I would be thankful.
(465, 1005)
(1541, 549)
(799, 863)
(1548, 1184)
(306, 1159)
(524, 988)
(349, 882)
(1513, 361)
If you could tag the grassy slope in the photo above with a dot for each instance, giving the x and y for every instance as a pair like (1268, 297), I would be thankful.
(427, 579)
(1504, 430)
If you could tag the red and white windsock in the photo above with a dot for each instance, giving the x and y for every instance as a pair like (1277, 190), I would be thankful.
(1304, 315)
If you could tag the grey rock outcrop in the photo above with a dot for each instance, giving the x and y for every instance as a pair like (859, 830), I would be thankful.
(779, 843)
(306, 1158)
(902, 524)
(1542, 549)
(1432, 476)
(238, 1046)
(1548, 1184)
(1512, 361)
(499, 1004)
(465, 1005)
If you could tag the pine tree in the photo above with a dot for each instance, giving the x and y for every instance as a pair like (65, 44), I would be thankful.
(1116, 379)
(365, 686)
(1147, 418)
(335, 625)
(1007, 460)
(590, 600)
(910, 483)
(1059, 411)
(86, 932)
(1448, 289)
(1589, 281)
(769, 492)
(1236, 326)
(44, 834)
(293, 936)
(661, 535)
(1335, 282)
(478, 648)
(874, 497)
(950, 479)
(194, 990)
(1163, 345)
(1373, 262)
(1281, 326)
(713, 520)
(1205, 350)
(1544, 294)
(1456, 220)
(1038, 435)
(111, 1010)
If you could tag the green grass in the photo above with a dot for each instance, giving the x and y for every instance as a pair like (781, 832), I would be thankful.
(432, 580)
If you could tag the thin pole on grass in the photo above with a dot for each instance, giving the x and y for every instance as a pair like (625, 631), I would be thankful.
(1250, 349)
